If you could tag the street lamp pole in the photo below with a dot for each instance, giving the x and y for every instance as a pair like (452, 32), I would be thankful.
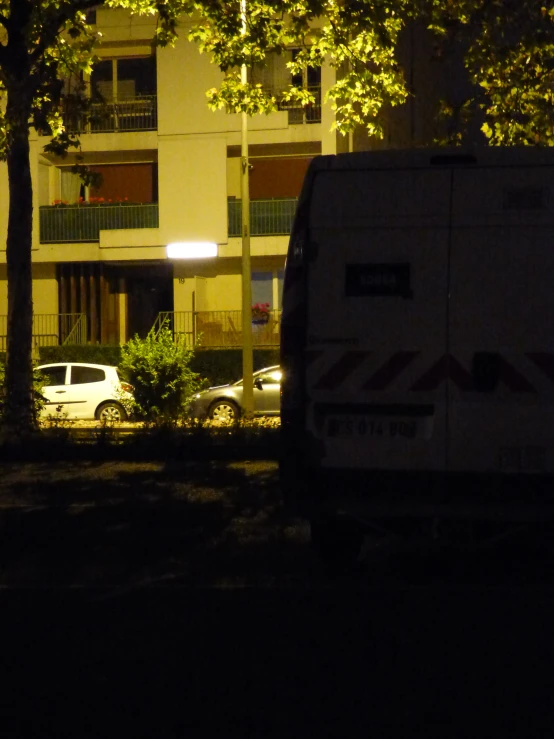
(247, 356)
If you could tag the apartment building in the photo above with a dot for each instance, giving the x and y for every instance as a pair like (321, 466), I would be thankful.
(170, 172)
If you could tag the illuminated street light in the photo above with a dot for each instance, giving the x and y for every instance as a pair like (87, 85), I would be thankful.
(191, 250)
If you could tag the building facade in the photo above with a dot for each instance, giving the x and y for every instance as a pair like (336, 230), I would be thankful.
(169, 172)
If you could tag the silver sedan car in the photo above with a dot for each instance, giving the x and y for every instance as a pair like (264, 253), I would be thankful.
(224, 402)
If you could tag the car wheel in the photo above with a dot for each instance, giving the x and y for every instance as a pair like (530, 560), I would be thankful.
(110, 411)
(224, 410)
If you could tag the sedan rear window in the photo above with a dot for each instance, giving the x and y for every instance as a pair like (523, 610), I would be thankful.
(82, 375)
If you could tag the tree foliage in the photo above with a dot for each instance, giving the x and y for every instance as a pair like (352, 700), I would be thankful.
(356, 37)
(507, 47)
(508, 51)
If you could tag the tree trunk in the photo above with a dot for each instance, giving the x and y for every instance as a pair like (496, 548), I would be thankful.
(19, 414)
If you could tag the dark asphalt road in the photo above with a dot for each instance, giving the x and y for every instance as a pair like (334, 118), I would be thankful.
(274, 663)
(159, 601)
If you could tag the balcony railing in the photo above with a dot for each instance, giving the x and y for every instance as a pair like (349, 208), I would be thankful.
(59, 223)
(74, 223)
(299, 114)
(51, 329)
(218, 328)
(267, 217)
(123, 115)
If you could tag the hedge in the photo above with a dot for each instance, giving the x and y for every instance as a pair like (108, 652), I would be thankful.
(219, 366)
(92, 353)
(225, 365)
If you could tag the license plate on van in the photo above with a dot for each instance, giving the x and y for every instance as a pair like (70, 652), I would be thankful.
(371, 427)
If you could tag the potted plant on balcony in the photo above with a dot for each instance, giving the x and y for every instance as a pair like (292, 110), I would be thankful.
(260, 314)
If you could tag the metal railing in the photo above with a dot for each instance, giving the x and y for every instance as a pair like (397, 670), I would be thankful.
(74, 223)
(73, 328)
(59, 223)
(299, 114)
(218, 328)
(267, 217)
(51, 329)
(138, 113)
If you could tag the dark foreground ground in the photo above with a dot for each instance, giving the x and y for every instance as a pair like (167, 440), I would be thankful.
(174, 600)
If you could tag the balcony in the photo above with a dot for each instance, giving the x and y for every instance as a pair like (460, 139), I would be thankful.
(299, 114)
(73, 223)
(124, 115)
(81, 223)
(219, 329)
(51, 329)
(267, 217)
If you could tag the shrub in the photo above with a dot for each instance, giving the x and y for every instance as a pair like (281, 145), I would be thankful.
(159, 370)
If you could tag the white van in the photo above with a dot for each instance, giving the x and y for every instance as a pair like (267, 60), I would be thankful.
(417, 341)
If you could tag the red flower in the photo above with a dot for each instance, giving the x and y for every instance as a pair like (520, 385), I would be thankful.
(260, 312)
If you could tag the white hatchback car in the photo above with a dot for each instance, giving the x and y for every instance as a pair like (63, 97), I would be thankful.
(84, 391)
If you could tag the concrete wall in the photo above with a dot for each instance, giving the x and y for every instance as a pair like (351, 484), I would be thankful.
(45, 288)
(4, 207)
(193, 188)
(3, 290)
(185, 75)
(221, 281)
(119, 25)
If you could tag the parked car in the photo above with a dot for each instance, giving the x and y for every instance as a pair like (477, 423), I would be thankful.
(85, 391)
(224, 402)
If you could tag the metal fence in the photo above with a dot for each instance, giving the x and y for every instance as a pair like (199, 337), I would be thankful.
(59, 223)
(51, 329)
(267, 217)
(138, 113)
(218, 328)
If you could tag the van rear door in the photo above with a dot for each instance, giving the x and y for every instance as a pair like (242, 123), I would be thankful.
(501, 322)
(377, 293)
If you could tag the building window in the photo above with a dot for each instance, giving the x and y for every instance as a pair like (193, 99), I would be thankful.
(262, 288)
(132, 182)
(122, 96)
(123, 79)
(267, 287)
(72, 188)
(275, 77)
